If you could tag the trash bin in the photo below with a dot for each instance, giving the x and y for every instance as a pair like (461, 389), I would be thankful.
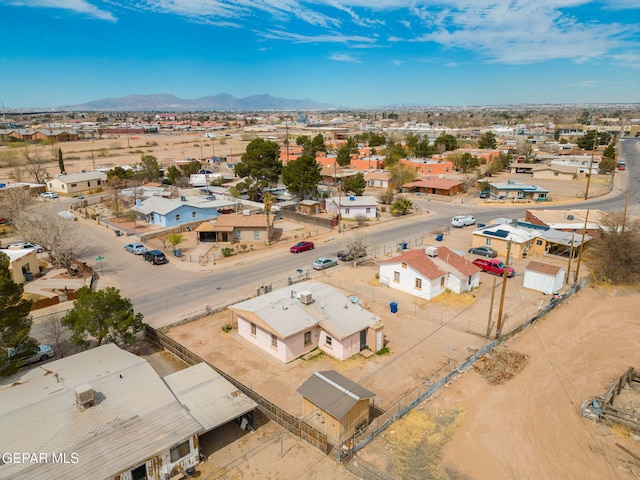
(177, 252)
(118, 233)
(439, 237)
(394, 307)
(28, 276)
(404, 245)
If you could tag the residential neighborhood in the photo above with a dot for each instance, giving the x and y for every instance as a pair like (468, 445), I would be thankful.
(181, 298)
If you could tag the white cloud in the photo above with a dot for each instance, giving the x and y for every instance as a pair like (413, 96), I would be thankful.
(583, 84)
(343, 57)
(396, 63)
(324, 38)
(77, 6)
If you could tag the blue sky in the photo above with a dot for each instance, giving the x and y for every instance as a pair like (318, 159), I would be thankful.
(347, 53)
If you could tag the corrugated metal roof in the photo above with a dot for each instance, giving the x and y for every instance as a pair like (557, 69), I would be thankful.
(135, 416)
(211, 400)
(333, 392)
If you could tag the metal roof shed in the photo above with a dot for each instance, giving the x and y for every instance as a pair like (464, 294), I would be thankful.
(210, 398)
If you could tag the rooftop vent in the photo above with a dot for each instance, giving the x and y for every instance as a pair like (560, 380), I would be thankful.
(569, 217)
(352, 197)
(306, 298)
(431, 251)
(84, 396)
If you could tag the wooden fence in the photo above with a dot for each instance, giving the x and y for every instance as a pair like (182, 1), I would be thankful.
(291, 423)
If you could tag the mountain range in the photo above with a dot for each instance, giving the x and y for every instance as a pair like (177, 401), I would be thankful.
(219, 102)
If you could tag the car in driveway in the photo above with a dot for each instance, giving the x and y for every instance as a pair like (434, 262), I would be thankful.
(323, 262)
(19, 245)
(494, 267)
(348, 256)
(44, 352)
(484, 251)
(302, 247)
(135, 248)
(156, 257)
(50, 195)
(460, 221)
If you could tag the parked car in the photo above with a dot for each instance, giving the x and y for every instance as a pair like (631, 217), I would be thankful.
(460, 221)
(156, 257)
(135, 248)
(44, 352)
(495, 267)
(485, 194)
(19, 245)
(347, 256)
(302, 247)
(49, 195)
(322, 263)
(484, 251)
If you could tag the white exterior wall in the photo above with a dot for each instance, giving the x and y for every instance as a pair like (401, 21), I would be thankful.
(462, 284)
(353, 211)
(160, 466)
(542, 282)
(430, 288)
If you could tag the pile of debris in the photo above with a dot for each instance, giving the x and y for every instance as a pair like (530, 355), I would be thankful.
(500, 364)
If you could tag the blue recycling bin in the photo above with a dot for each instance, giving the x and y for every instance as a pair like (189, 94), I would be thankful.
(439, 237)
(394, 307)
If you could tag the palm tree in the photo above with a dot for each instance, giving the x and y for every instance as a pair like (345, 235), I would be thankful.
(267, 199)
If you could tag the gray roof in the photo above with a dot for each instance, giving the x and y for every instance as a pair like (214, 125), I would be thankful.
(135, 416)
(79, 177)
(331, 310)
(333, 393)
(164, 206)
(211, 400)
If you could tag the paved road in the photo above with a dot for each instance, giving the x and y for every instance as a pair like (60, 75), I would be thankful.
(163, 291)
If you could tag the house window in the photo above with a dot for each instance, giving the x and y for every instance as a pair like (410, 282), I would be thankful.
(180, 451)
(487, 241)
(253, 329)
(274, 341)
(237, 234)
(194, 215)
(73, 185)
(346, 211)
(538, 242)
(307, 338)
(442, 281)
(256, 234)
(99, 182)
(404, 265)
(555, 174)
(418, 285)
(368, 210)
(328, 340)
(88, 184)
(177, 217)
(428, 170)
(396, 276)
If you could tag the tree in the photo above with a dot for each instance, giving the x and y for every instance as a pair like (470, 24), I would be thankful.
(607, 164)
(261, 163)
(311, 146)
(356, 248)
(302, 176)
(267, 199)
(149, 168)
(588, 139)
(55, 332)
(394, 152)
(609, 152)
(525, 149)
(411, 141)
(487, 140)
(35, 165)
(191, 168)
(119, 177)
(61, 162)
(615, 256)
(425, 150)
(355, 184)
(446, 142)
(344, 156)
(401, 174)
(173, 174)
(175, 239)
(376, 140)
(104, 316)
(14, 202)
(60, 236)
(402, 206)
(15, 323)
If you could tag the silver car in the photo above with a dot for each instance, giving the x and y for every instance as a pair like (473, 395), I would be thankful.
(322, 263)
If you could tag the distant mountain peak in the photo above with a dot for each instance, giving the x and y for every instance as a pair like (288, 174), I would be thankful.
(220, 101)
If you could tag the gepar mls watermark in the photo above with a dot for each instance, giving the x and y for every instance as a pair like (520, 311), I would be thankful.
(39, 457)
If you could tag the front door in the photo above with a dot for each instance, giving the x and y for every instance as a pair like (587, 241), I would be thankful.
(363, 339)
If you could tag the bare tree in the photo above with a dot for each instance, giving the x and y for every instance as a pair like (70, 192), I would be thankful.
(55, 332)
(35, 165)
(60, 236)
(356, 248)
(14, 201)
(9, 158)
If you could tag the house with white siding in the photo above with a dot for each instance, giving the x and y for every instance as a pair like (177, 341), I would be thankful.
(353, 207)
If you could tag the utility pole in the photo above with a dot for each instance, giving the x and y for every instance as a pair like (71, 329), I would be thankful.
(593, 151)
(504, 288)
(493, 294)
(584, 232)
(566, 279)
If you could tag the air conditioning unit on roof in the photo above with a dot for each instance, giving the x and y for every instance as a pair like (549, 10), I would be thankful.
(306, 297)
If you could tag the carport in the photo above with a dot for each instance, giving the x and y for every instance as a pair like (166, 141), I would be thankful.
(210, 398)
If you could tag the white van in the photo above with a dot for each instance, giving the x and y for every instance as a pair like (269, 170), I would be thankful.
(460, 221)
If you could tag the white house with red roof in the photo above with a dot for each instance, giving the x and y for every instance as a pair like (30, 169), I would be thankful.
(428, 272)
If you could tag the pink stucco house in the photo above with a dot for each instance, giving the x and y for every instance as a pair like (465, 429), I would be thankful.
(293, 321)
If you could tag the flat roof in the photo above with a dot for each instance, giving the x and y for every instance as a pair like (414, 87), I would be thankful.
(210, 398)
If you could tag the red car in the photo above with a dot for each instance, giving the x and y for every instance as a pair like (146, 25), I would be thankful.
(302, 247)
(493, 266)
